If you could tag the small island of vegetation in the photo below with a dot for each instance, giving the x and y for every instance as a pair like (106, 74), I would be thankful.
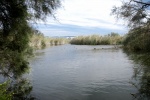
(110, 39)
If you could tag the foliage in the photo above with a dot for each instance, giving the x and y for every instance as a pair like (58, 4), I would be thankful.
(138, 39)
(39, 41)
(135, 12)
(4, 94)
(141, 74)
(58, 41)
(110, 39)
(15, 31)
(21, 90)
(12, 64)
(12, 52)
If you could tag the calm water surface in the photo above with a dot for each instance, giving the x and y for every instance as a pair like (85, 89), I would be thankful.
(73, 72)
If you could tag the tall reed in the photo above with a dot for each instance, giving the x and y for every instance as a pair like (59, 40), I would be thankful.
(110, 39)
(38, 41)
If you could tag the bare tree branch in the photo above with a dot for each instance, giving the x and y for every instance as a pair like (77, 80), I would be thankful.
(144, 3)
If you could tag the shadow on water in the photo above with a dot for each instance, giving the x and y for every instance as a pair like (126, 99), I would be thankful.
(141, 75)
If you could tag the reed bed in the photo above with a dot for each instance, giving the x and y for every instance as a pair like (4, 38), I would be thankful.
(38, 41)
(110, 39)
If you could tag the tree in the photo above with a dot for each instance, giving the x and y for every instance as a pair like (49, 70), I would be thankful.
(15, 16)
(135, 12)
(15, 30)
(15, 12)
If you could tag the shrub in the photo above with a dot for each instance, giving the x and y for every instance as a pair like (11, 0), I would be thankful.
(138, 39)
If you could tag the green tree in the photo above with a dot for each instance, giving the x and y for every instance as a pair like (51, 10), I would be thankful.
(15, 30)
(136, 13)
(4, 95)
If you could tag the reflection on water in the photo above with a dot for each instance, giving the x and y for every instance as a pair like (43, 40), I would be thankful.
(141, 75)
(73, 72)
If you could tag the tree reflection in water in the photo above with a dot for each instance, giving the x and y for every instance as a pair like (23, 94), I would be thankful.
(141, 75)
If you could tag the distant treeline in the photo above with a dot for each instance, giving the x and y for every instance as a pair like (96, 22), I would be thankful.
(110, 39)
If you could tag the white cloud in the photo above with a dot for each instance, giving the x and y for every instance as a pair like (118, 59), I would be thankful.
(87, 13)
(78, 12)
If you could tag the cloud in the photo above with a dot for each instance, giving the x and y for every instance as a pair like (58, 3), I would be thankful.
(73, 30)
(84, 14)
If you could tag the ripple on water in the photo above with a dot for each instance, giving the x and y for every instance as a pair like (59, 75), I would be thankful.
(71, 72)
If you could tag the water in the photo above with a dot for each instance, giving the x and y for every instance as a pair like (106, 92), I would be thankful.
(73, 72)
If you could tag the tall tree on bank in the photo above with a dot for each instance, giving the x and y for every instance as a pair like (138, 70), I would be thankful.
(137, 15)
(15, 16)
(15, 30)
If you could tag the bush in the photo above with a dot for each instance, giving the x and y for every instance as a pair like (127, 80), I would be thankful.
(138, 39)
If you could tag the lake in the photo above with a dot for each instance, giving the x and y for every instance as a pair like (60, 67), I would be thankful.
(75, 72)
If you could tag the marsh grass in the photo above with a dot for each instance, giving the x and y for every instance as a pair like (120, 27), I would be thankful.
(39, 41)
(110, 39)
(58, 41)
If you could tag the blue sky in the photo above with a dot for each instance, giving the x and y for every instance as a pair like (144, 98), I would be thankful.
(83, 17)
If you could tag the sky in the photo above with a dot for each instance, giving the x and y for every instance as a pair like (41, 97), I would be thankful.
(83, 17)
